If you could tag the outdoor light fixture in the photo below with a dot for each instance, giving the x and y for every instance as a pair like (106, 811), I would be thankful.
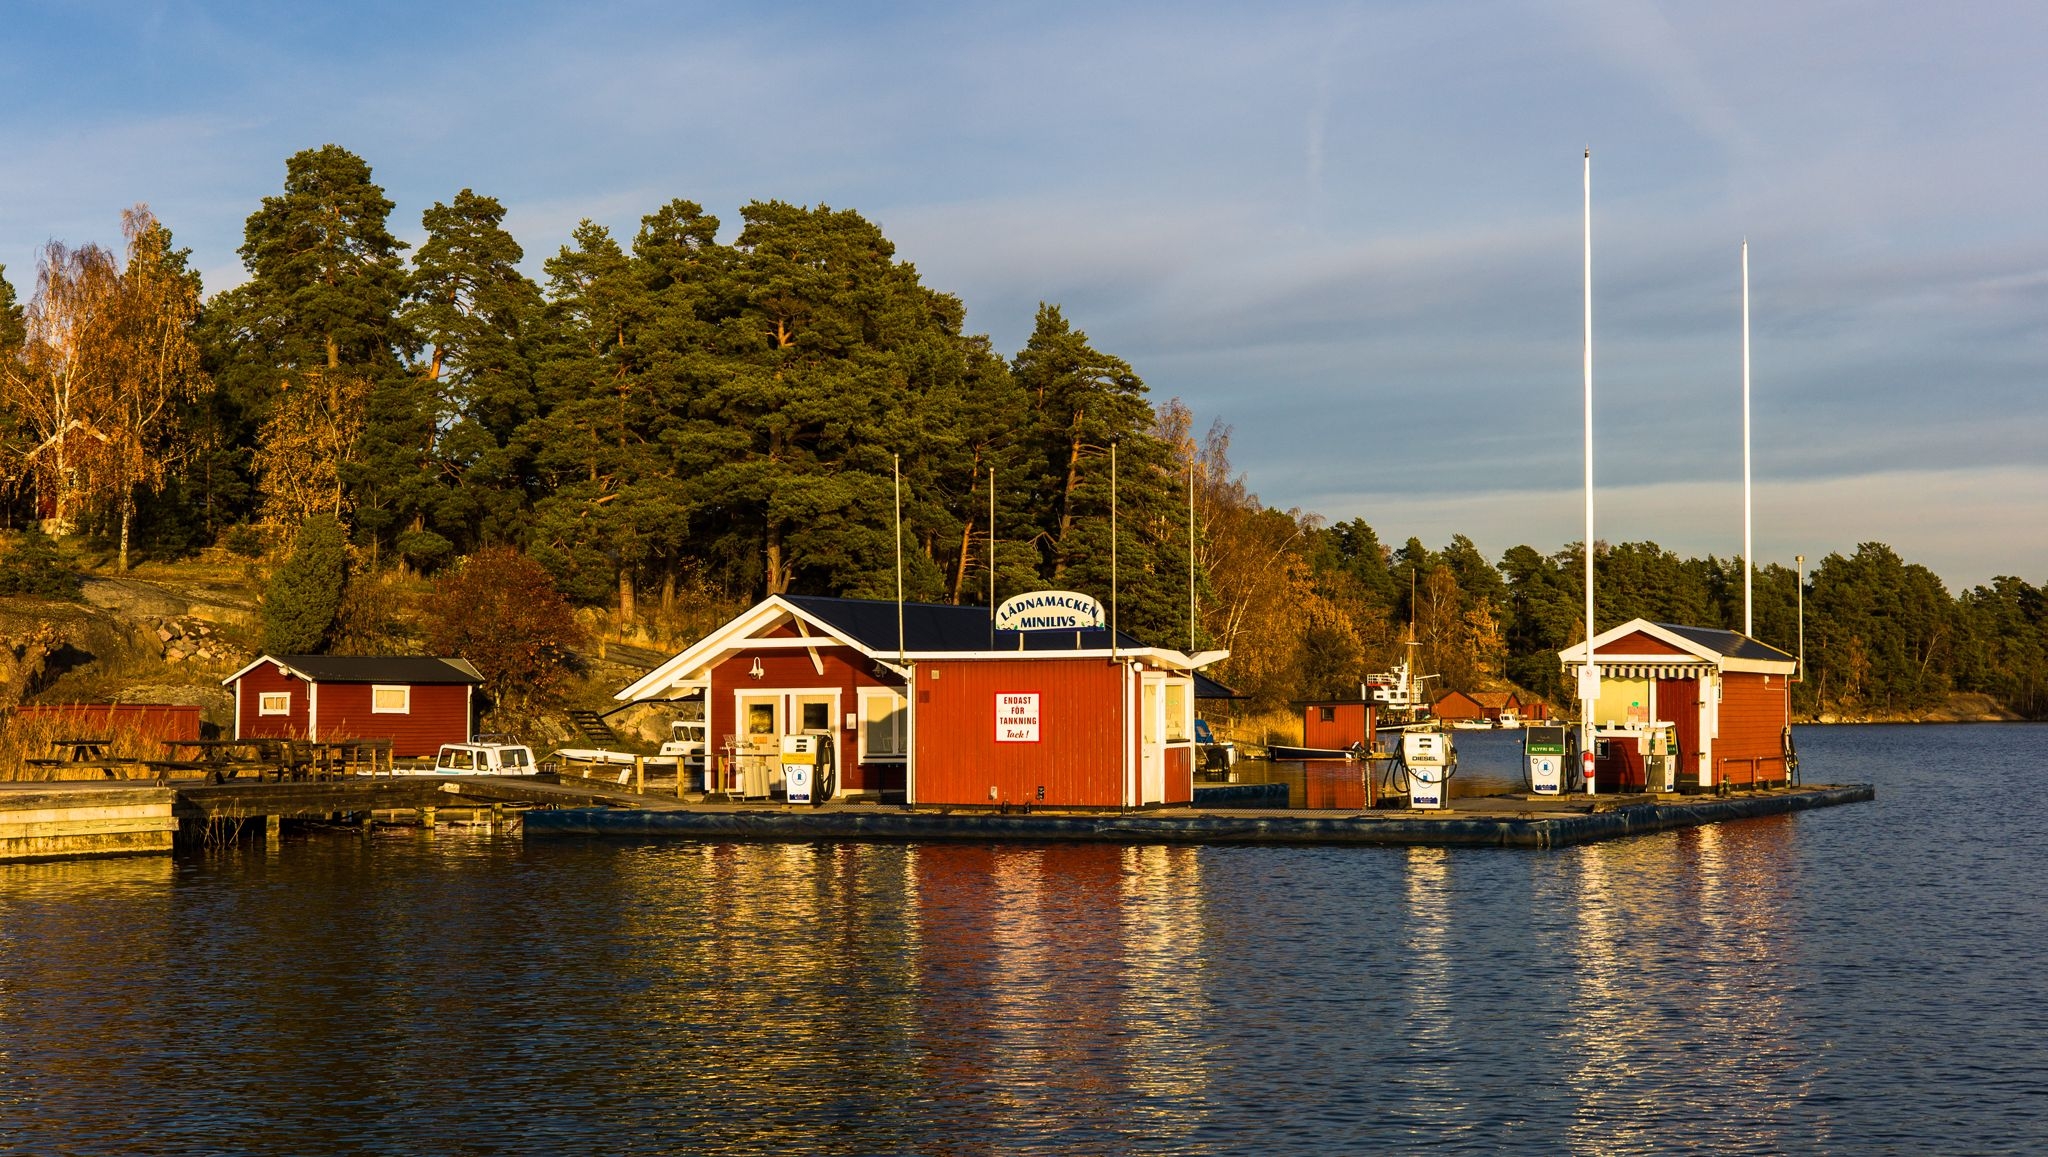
(756, 670)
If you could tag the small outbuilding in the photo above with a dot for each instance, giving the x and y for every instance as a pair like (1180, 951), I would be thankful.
(933, 701)
(417, 702)
(1718, 703)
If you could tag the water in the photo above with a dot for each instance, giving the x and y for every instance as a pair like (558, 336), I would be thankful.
(1853, 980)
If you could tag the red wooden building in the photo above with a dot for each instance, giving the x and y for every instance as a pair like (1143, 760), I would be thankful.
(1066, 718)
(1722, 699)
(417, 702)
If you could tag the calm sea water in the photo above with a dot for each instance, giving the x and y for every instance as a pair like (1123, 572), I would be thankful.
(1871, 978)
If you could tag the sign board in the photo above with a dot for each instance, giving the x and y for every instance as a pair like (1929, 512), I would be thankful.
(1017, 717)
(1050, 611)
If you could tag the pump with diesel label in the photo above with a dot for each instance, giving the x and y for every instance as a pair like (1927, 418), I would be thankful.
(1428, 761)
(1543, 755)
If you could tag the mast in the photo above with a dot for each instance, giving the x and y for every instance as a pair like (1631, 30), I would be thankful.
(1589, 676)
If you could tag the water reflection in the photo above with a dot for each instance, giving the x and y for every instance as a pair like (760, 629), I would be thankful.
(1858, 980)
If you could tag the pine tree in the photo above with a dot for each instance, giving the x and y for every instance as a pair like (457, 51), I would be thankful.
(300, 604)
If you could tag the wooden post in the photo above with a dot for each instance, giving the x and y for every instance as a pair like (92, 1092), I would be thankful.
(639, 775)
(273, 830)
(427, 818)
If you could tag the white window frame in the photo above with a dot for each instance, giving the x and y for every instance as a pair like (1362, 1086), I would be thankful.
(263, 706)
(902, 713)
(377, 689)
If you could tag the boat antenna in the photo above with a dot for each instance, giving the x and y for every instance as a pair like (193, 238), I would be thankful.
(1112, 550)
(1748, 567)
(1191, 541)
(1589, 675)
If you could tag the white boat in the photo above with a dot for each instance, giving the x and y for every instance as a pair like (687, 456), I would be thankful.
(1472, 724)
(475, 759)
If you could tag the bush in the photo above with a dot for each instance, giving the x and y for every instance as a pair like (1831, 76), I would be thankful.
(300, 604)
(244, 540)
(35, 568)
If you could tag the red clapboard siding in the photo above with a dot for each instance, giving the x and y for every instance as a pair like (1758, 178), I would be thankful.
(249, 724)
(1754, 712)
(154, 722)
(1349, 723)
(1637, 643)
(439, 713)
(1077, 761)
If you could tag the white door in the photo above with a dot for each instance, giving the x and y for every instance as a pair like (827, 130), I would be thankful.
(1152, 740)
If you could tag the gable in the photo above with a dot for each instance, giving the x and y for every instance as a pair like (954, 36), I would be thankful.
(1638, 643)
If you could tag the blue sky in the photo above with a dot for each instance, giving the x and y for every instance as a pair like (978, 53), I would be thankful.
(1349, 231)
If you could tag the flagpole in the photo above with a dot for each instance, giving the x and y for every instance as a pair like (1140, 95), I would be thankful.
(1589, 677)
(991, 558)
(1112, 550)
(1748, 566)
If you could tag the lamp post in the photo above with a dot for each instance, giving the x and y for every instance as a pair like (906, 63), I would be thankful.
(1801, 560)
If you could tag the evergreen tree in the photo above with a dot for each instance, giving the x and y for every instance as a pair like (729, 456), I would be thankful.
(300, 604)
(1083, 402)
(475, 314)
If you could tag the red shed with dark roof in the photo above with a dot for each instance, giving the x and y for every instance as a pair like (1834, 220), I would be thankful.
(417, 702)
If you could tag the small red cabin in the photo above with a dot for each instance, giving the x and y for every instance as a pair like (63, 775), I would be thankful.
(1067, 718)
(1334, 724)
(1718, 702)
(417, 702)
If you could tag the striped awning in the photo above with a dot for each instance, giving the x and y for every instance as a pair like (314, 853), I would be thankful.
(1679, 670)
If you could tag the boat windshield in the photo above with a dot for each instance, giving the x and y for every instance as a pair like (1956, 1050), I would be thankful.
(514, 757)
(456, 759)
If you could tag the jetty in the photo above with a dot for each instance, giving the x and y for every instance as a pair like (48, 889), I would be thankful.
(61, 820)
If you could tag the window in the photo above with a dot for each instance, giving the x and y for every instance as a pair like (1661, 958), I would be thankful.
(1177, 711)
(1327, 714)
(389, 700)
(884, 724)
(274, 703)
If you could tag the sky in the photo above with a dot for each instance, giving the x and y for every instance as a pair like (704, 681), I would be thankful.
(1350, 233)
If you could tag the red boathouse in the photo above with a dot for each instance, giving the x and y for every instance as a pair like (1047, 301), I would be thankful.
(1717, 702)
(417, 702)
(941, 708)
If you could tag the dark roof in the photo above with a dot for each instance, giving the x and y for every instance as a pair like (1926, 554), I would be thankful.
(1733, 644)
(380, 668)
(929, 627)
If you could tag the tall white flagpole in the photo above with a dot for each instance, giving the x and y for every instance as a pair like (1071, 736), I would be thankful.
(1748, 555)
(1589, 678)
(1112, 549)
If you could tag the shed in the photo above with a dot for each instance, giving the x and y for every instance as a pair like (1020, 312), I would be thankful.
(1723, 698)
(1065, 718)
(417, 702)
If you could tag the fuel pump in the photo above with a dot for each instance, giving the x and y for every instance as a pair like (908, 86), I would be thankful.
(799, 766)
(1428, 761)
(1543, 753)
(807, 772)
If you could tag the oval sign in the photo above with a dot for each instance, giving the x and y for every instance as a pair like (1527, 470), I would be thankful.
(1050, 611)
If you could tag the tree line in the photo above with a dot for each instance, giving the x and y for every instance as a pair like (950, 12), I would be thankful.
(670, 417)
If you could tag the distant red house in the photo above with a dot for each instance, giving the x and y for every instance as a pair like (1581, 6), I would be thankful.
(417, 702)
(1492, 705)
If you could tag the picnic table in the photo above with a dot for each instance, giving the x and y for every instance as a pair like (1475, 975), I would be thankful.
(287, 759)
